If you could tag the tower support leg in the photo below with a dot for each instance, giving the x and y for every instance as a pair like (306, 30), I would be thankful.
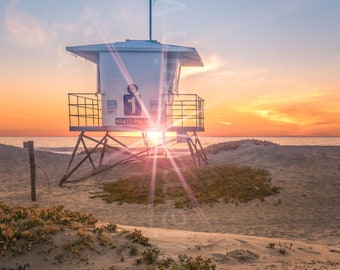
(197, 152)
(70, 171)
(104, 142)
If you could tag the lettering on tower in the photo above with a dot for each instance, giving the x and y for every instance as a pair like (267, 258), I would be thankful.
(132, 121)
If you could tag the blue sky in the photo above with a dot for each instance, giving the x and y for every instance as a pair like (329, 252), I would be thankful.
(271, 66)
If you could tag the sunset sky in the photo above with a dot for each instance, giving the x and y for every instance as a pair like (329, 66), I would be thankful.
(272, 67)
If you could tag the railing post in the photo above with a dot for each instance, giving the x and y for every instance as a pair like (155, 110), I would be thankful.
(92, 112)
(182, 115)
(78, 110)
(69, 110)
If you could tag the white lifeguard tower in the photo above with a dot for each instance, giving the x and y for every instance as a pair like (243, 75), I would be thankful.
(137, 91)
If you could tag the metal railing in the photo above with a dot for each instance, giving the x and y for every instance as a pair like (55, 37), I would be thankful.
(84, 110)
(185, 111)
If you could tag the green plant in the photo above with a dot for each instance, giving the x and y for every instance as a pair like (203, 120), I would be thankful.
(120, 249)
(283, 251)
(284, 247)
(138, 237)
(150, 255)
(197, 263)
(183, 257)
(110, 227)
(133, 250)
(60, 258)
(271, 245)
(165, 263)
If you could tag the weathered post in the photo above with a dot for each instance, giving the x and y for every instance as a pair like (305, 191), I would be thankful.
(30, 146)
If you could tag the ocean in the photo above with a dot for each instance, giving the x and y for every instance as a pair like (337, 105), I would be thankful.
(65, 145)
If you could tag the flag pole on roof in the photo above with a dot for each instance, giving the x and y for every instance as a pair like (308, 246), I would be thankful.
(150, 19)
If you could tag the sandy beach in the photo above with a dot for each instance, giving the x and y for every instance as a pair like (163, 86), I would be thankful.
(303, 219)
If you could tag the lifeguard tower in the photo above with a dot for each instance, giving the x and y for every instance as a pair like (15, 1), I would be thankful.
(137, 91)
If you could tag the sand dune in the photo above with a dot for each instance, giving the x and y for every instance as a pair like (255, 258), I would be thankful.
(303, 219)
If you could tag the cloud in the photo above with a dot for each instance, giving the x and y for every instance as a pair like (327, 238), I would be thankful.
(171, 7)
(213, 63)
(291, 5)
(225, 123)
(23, 28)
(15, 116)
(277, 116)
(303, 108)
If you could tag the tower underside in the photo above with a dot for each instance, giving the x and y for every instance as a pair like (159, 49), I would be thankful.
(106, 152)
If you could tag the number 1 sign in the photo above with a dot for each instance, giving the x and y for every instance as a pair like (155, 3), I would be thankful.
(132, 105)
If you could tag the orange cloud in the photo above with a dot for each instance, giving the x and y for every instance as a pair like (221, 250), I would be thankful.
(305, 109)
(281, 113)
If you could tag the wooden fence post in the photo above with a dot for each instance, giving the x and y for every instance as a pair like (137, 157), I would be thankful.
(30, 146)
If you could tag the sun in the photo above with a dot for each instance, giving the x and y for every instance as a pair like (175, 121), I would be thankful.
(155, 137)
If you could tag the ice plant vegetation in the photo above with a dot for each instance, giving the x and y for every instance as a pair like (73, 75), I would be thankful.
(209, 185)
(62, 235)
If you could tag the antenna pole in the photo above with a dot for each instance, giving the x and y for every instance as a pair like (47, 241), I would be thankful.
(150, 19)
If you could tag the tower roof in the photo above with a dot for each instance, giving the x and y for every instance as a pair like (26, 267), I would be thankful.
(187, 55)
